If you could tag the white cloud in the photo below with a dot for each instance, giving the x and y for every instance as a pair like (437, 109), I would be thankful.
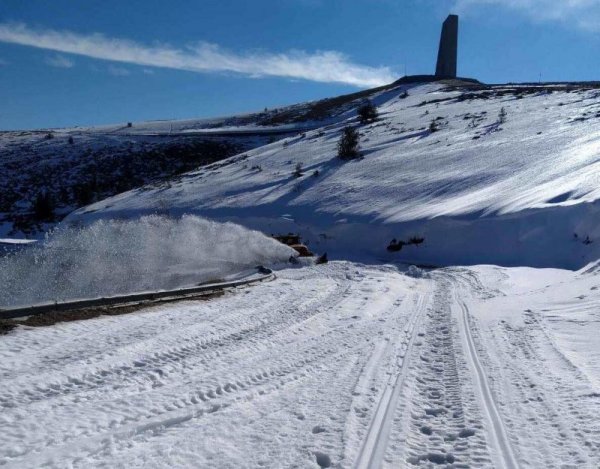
(321, 66)
(583, 14)
(118, 71)
(59, 61)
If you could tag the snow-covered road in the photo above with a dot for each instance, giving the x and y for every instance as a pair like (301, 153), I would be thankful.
(343, 365)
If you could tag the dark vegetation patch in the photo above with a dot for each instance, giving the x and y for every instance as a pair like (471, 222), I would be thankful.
(42, 181)
(53, 317)
(434, 101)
(396, 246)
(484, 93)
(348, 144)
(6, 325)
(367, 112)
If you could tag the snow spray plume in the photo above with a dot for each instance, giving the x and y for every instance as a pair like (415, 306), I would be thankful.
(119, 257)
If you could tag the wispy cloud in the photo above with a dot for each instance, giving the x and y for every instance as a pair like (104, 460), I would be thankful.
(59, 61)
(118, 71)
(321, 66)
(583, 14)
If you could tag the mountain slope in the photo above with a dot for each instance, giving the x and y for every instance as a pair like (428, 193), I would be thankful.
(73, 167)
(522, 192)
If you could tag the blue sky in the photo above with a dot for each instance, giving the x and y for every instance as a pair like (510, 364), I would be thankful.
(65, 62)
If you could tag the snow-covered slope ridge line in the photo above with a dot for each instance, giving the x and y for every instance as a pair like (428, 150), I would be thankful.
(519, 192)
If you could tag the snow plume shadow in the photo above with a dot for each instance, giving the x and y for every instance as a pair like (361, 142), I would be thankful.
(112, 257)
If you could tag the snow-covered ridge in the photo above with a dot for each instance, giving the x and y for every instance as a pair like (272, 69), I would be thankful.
(522, 192)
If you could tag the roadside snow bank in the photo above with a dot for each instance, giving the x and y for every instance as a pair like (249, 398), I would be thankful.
(111, 257)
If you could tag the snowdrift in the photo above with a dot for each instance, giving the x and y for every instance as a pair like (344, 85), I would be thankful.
(117, 257)
(522, 192)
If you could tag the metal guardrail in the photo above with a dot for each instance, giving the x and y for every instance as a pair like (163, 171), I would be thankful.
(122, 300)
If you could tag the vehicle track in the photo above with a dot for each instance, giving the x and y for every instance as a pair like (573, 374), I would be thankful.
(182, 376)
(375, 442)
(546, 392)
(496, 427)
(461, 282)
(157, 367)
(429, 413)
(354, 366)
(438, 419)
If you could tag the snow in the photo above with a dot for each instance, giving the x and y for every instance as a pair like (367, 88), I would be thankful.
(76, 165)
(477, 190)
(344, 364)
(115, 257)
(11, 245)
(375, 360)
(16, 241)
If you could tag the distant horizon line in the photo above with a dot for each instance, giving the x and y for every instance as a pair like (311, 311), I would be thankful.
(428, 80)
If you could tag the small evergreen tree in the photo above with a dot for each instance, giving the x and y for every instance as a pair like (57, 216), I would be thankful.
(63, 195)
(348, 144)
(433, 126)
(298, 171)
(84, 194)
(367, 112)
(43, 207)
(502, 116)
(71, 140)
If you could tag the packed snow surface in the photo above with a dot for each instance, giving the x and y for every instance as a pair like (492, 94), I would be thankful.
(479, 190)
(342, 365)
(112, 257)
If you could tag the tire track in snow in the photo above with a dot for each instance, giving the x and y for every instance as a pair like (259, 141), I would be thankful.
(83, 341)
(438, 420)
(153, 369)
(375, 443)
(188, 406)
(546, 391)
(496, 428)
(546, 405)
(241, 376)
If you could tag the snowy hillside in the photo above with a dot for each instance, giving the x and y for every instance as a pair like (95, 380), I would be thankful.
(364, 362)
(43, 178)
(522, 192)
(45, 174)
